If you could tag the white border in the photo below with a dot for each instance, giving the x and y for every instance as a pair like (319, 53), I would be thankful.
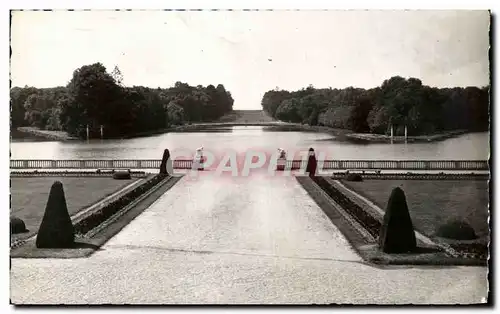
(186, 4)
(252, 4)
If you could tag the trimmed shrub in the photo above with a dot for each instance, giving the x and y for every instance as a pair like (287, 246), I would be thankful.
(353, 177)
(166, 164)
(122, 175)
(457, 230)
(397, 234)
(56, 229)
(17, 225)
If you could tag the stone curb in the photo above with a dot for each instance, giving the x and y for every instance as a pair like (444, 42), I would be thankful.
(122, 211)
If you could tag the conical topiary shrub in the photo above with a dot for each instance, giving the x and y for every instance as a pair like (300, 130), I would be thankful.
(17, 225)
(396, 233)
(166, 163)
(56, 229)
(457, 230)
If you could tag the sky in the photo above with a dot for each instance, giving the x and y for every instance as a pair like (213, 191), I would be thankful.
(253, 52)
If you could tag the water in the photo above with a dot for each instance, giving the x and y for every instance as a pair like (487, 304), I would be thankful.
(474, 146)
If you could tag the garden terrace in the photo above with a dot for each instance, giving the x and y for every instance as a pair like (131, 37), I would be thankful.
(29, 196)
(433, 203)
(96, 225)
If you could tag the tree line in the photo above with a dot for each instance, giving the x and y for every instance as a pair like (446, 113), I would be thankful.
(96, 98)
(398, 101)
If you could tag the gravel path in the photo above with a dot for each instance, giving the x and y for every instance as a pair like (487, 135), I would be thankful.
(235, 240)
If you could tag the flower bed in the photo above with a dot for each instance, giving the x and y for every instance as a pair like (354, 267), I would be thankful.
(417, 176)
(37, 173)
(471, 250)
(96, 218)
(366, 220)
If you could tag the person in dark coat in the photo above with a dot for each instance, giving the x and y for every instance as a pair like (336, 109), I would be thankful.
(312, 163)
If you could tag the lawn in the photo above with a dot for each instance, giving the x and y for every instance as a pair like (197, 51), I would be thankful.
(29, 196)
(433, 203)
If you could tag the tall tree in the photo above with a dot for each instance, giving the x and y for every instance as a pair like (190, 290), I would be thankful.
(117, 75)
(95, 100)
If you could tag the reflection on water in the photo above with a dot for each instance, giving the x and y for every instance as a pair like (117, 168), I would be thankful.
(244, 138)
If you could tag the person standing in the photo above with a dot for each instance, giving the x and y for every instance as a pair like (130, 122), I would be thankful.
(312, 163)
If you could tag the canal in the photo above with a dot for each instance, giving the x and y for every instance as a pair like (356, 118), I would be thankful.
(472, 146)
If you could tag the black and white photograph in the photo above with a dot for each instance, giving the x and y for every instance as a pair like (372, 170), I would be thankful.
(250, 157)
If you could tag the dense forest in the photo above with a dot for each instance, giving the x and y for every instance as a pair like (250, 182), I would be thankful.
(398, 101)
(97, 98)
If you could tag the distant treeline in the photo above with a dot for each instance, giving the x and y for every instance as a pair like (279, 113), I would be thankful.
(398, 101)
(95, 97)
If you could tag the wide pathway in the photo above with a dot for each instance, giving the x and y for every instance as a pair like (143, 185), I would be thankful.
(235, 240)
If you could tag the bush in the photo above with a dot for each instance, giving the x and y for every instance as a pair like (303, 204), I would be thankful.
(397, 234)
(122, 175)
(457, 230)
(17, 225)
(56, 229)
(353, 177)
